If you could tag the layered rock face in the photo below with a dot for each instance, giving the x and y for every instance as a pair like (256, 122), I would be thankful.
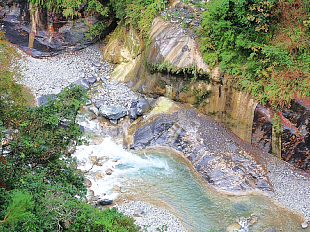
(292, 145)
(172, 43)
(224, 163)
(295, 137)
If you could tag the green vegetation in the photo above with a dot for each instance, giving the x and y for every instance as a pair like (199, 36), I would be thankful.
(40, 187)
(263, 44)
(138, 13)
(168, 67)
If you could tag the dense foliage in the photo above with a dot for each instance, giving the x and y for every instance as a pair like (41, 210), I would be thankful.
(263, 44)
(40, 187)
(137, 13)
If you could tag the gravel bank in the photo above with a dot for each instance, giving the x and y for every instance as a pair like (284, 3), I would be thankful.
(50, 75)
(151, 217)
(291, 186)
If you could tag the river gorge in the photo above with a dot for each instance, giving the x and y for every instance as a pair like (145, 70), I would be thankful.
(177, 156)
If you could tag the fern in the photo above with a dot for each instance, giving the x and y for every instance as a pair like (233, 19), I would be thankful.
(20, 207)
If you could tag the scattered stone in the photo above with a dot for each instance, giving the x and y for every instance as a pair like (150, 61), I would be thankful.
(87, 182)
(97, 64)
(117, 188)
(94, 159)
(91, 80)
(99, 102)
(271, 229)
(132, 113)
(94, 110)
(98, 140)
(99, 175)
(91, 192)
(81, 75)
(108, 171)
(187, 20)
(89, 102)
(252, 220)
(113, 121)
(304, 225)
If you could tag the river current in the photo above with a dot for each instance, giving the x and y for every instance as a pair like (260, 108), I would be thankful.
(164, 178)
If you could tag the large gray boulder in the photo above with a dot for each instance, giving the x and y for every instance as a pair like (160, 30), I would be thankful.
(142, 106)
(112, 112)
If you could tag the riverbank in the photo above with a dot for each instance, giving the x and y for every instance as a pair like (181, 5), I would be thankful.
(48, 76)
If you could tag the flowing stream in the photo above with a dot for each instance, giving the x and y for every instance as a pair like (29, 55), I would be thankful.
(164, 178)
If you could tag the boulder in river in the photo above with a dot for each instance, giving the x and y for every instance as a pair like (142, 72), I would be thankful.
(112, 112)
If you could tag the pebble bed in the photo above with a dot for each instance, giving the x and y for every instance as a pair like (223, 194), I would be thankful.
(150, 217)
(292, 186)
(51, 75)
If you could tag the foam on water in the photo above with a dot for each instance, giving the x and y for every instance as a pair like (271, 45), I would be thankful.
(95, 160)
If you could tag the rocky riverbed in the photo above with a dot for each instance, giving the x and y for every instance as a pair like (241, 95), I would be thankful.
(50, 75)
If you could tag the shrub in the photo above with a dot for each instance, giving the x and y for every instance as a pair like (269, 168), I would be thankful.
(264, 45)
(138, 13)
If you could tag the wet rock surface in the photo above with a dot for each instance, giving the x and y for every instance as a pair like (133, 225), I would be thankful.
(262, 129)
(295, 136)
(293, 122)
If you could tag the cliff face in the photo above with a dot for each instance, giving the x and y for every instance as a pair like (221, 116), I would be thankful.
(172, 48)
(173, 44)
